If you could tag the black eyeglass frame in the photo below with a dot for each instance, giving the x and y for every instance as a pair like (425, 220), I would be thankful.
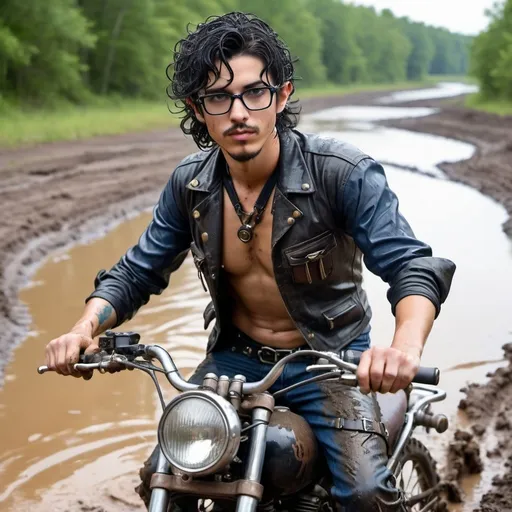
(273, 90)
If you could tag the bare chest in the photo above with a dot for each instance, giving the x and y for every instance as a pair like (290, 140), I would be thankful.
(241, 258)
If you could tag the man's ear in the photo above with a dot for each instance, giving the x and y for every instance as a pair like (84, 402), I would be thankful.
(283, 94)
(198, 112)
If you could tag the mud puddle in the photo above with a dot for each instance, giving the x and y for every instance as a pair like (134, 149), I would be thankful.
(59, 436)
(65, 438)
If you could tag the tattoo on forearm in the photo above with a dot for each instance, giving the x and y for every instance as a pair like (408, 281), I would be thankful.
(104, 315)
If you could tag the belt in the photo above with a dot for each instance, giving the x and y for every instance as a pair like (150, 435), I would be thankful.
(248, 347)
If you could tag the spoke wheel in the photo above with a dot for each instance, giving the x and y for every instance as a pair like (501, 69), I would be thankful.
(416, 474)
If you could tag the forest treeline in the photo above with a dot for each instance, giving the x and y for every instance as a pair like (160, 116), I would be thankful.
(491, 54)
(75, 50)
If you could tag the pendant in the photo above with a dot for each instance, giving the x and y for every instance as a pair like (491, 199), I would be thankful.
(245, 233)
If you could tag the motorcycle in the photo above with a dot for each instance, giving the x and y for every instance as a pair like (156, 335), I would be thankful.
(225, 445)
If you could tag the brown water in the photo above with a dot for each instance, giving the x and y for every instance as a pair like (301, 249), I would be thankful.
(63, 438)
(62, 435)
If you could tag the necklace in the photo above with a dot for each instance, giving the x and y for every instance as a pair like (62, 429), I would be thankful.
(249, 220)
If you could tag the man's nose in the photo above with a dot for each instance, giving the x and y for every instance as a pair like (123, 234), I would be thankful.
(238, 111)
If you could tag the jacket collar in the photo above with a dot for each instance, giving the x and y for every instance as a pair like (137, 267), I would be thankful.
(295, 177)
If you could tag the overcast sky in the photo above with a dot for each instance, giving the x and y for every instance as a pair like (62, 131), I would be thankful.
(464, 16)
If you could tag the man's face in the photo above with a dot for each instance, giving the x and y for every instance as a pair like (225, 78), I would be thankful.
(241, 132)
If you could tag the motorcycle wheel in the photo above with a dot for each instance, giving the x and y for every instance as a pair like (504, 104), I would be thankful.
(416, 473)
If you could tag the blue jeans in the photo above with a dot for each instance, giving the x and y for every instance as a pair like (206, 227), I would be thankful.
(357, 459)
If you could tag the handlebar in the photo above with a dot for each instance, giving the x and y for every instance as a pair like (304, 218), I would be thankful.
(347, 362)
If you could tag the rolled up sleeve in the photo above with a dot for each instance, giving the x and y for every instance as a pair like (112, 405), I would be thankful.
(369, 212)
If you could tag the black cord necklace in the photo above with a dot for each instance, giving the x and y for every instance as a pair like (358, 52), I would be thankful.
(249, 220)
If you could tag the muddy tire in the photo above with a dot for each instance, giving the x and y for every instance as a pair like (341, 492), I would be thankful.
(416, 473)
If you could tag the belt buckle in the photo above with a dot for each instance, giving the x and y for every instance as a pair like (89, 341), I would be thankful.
(367, 425)
(263, 352)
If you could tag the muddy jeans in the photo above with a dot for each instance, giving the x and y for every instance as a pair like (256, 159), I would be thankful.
(356, 459)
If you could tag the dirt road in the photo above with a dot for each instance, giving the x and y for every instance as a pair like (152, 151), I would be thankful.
(55, 194)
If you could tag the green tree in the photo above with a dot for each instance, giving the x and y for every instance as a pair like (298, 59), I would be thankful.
(341, 56)
(70, 48)
(296, 25)
(450, 52)
(422, 52)
(492, 54)
(134, 42)
(383, 45)
(40, 43)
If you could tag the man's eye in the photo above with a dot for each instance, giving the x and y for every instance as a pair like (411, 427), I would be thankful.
(254, 93)
(218, 98)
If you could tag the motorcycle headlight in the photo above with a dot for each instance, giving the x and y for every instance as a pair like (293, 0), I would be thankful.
(199, 432)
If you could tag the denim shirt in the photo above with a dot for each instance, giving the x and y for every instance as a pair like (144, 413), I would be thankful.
(332, 210)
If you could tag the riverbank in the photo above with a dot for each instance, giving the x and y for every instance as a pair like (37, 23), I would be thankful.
(59, 193)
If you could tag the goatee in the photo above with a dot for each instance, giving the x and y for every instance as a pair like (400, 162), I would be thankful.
(244, 157)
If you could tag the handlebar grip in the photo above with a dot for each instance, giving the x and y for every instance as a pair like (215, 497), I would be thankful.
(82, 358)
(427, 375)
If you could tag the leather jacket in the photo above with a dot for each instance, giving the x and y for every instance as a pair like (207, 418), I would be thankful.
(332, 208)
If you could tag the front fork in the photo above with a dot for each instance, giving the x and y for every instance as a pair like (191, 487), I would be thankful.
(256, 457)
(160, 497)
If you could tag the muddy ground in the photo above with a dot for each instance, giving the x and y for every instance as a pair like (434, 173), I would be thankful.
(55, 194)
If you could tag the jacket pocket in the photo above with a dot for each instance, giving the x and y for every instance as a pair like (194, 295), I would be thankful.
(199, 262)
(341, 315)
(312, 260)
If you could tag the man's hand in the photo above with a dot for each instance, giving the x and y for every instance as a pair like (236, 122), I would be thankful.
(387, 369)
(63, 352)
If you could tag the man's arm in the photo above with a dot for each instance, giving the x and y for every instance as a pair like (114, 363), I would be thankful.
(389, 369)
(419, 282)
(146, 267)
(144, 270)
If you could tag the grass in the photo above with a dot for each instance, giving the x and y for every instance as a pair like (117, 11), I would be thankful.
(341, 90)
(107, 117)
(78, 122)
(500, 107)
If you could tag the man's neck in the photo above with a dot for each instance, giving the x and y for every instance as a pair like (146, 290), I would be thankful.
(255, 172)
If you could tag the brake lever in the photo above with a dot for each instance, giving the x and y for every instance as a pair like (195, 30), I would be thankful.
(102, 365)
(321, 367)
(323, 364)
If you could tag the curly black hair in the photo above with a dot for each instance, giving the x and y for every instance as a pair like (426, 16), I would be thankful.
(220, 38)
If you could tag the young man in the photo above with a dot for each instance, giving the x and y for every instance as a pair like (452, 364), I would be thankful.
(277, 222)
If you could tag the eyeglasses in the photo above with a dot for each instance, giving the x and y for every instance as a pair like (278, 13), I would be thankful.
(258, 98)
